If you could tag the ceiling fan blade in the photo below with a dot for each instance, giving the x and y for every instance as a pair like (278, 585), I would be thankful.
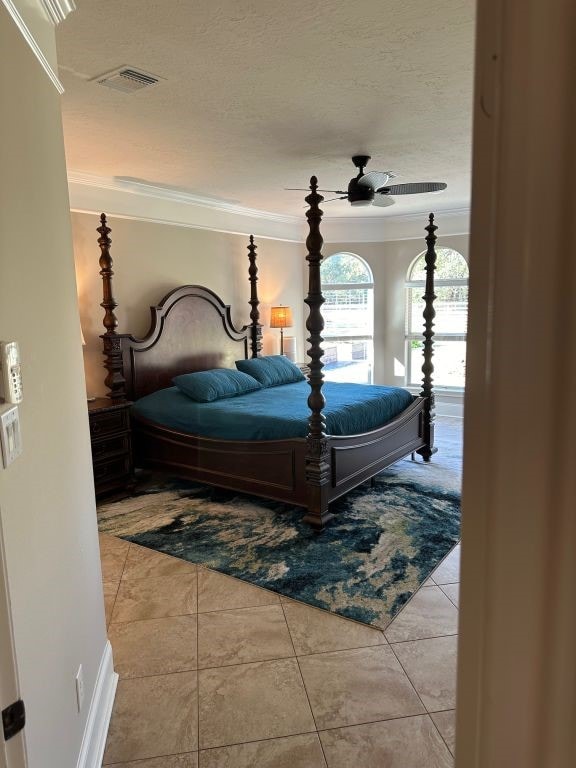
(331, 200)
(416, 189)
(382, 201)
(307, 189)
(376, 179)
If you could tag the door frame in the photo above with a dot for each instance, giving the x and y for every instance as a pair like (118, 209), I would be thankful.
(517, 659)
(13, 752)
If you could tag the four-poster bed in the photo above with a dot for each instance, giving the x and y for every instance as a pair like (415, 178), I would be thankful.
(192, 331)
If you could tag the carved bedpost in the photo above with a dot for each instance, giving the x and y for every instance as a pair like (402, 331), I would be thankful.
(317, 457)
(428, 367)
(255, 327)
(112, 352)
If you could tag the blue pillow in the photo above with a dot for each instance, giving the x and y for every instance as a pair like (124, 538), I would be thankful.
(207, 386)
(272, 370)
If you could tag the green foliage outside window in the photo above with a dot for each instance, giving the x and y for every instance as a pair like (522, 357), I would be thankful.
(344, 268)
(450, 265)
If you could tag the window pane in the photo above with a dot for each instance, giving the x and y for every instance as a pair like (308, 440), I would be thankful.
(344, 268)
(348, 312)
(449, 363)
(348, 361)
(450, 265)
(451, 307)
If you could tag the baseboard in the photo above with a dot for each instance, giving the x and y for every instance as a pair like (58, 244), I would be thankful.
(94, 739)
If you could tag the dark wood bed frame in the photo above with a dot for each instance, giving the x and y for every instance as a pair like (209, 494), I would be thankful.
(191, 330)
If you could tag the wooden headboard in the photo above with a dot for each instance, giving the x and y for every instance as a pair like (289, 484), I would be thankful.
(191, 330)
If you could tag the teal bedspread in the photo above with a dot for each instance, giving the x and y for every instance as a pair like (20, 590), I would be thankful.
(275, 413)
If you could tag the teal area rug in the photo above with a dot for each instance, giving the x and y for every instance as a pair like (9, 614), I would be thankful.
(383, 543)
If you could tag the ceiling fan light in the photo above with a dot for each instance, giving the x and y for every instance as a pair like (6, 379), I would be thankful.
(360, 202)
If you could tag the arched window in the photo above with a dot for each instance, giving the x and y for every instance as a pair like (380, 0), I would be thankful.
(450, 323)
(348, 311)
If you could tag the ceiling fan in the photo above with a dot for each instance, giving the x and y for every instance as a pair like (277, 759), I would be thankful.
(374, 189)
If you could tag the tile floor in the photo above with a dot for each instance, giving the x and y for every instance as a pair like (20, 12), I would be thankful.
(217, 673)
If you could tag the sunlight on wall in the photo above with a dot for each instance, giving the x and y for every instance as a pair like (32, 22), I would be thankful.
(399, 368)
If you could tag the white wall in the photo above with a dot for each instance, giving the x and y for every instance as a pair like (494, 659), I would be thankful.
(151, 259)
(46, 496)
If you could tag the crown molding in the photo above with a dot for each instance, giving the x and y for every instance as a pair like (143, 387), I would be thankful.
(166, 193)
(390, 227)
(36, 20)
(132, 199)
(57, 10)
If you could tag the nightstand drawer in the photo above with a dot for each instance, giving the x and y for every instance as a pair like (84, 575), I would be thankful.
(110, 470)
(110, 446)
(109, 422)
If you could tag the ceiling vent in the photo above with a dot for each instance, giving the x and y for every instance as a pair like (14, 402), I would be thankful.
(127, 79)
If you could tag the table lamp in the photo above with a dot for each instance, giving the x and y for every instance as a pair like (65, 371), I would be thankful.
(281, 317)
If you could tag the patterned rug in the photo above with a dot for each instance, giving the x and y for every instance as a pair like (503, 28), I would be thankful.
(384, 542)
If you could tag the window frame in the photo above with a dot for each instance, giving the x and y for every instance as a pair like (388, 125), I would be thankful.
(409, 336)
(368, 286)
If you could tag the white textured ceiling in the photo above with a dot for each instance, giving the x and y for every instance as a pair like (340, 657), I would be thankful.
(260, 94)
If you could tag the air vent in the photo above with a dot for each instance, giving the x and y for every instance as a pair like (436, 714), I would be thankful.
(127, 79)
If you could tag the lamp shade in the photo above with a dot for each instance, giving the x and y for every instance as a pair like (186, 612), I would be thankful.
(280, 317)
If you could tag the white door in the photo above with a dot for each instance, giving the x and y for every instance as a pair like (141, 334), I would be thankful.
(12, 752)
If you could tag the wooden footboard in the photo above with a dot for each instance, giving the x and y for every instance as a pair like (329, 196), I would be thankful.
(359, 457)
(274, 469)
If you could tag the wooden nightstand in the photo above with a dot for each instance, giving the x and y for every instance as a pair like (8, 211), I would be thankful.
(304, 367)
(111, 445)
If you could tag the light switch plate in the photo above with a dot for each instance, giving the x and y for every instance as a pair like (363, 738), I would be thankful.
(10, 436)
